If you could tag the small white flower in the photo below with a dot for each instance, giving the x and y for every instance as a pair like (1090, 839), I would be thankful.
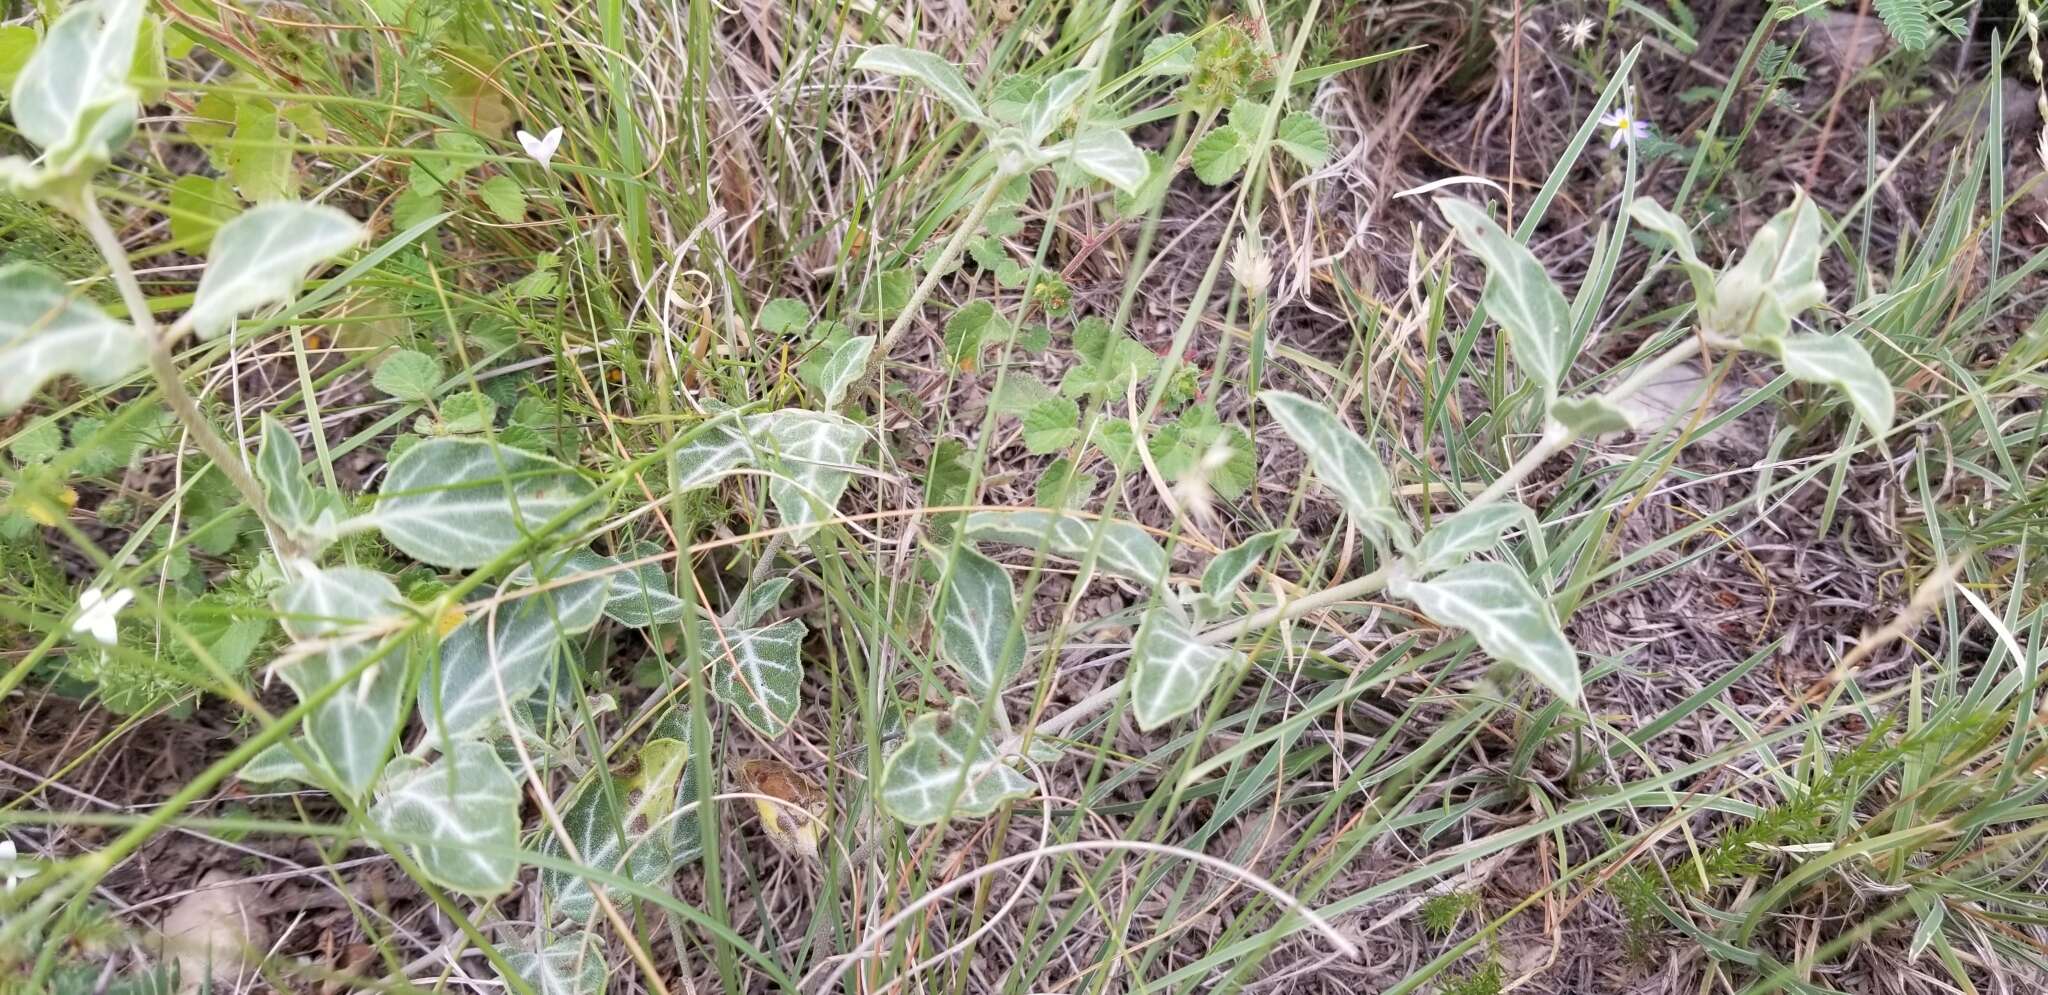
(10, 869)
(1577, 33)
(542, 149)
(96, 612)
(1627, 127)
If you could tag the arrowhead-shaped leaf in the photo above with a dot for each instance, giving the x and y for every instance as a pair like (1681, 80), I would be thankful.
(1841, 362)
(1050, 104)
(1518, 295)
(1586, 416)
(1465, 533)
(942, 77)
(464, 502)
(47, 332)
(491, 663)
(1233, 566)
(943, 770)
(1511, 622)
(976, 622)
(1756, 300)
(610, 836)
(812, 455)
(1108, 155)
(1345, 462)
(1170, 669)
(261, 258)
(759, 672)
(1127, 550)
(344, 608)
(465, 806)
(572, 965)
(1653, 216)
(845, 366)
(73, 93)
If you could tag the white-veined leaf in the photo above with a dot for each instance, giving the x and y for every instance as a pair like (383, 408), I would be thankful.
(572, 965)
(1777, 278)
(976, 622)
(1233, 566)
(1653, 216)
(1586, 416)
(275, 763)
(943, 770)
(286, 492)
(261, 257)
(344, 609)
(1345, 462)
(1465, 533)
(712, 453)
(759, 672)
(1127, 550)
(609, 838)
(813, 455)
(942, 77)
(1841, 362)
(1049, 106)
(1108, 155)
(685, 837)
(466, 806)
(845, 367)
(1519, 295)
(756, 601)
(1510, 620)
(1170, 669)
(491, 663)
(47, 332)
(72, 98)
(464, 502)
(639, 596)
(578, 585)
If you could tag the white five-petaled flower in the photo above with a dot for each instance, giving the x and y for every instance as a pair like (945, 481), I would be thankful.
(12, 872)
(542, 149)
(96, 611)
(1627, 126)
(1577, 33)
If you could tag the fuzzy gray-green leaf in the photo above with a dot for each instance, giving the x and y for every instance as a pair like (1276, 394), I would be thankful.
(759, 672)
(1842, 363)
(1653, 216)
(261, 257)
(1777, 278)
(943, 770)
(1127, 550)
(1229, 570)
(46, 331)
(977, 617)
(1170, 669)
(1465, 533)
(1345, 463)
(1519, 295)
(1510, 620)
(464, 808)
(938, 75)
(464, 502)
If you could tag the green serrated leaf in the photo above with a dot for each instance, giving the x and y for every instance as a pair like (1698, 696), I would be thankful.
(783, 315)
(505, 197)
(1051, 425)
(1304, 139)
(463, 502)
(1232, 567)
(936, 74)
(971, 330)
(260, 161)
(47, 332)
(943, 770)
(1842, 363)
(1171, 670)
(1221, 154)
(261, 257)
(976, 619)
(1345, 463)
(1777, 278)
(1168, 55)
(408, 375)
(1127, 550)
(199, 205)
(1510, 620)
(1519, 295)
(759, 672)
(1465, 533)
(466, 805)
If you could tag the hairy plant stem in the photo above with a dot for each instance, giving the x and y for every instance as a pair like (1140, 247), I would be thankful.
(948, 254)
(1554, 441)
(163, 366)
